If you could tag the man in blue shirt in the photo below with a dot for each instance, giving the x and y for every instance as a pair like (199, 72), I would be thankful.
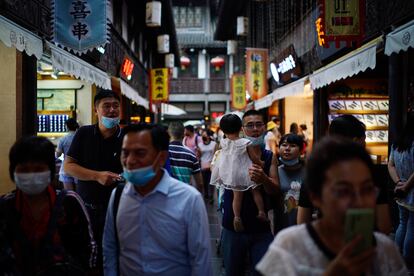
(161, 225)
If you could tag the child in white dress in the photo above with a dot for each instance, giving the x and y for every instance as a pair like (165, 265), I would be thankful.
(231, 170)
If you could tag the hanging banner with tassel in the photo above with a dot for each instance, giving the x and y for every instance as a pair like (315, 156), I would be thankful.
(80, 25)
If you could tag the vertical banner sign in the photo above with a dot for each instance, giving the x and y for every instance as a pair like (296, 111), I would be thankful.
(80, 25)
(256, 72)
(342, 20)
(238, 91)
(159, 85)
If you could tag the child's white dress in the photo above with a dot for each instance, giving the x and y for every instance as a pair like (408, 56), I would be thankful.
(231, 169)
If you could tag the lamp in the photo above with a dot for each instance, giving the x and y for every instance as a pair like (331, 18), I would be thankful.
(153, 14)
(185, 62)
(217, 62)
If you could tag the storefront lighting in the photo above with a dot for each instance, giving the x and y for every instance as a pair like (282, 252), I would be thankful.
(101, 50)
(274, 72)
(55, 73)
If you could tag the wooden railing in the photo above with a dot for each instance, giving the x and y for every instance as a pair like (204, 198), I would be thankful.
(199, 86)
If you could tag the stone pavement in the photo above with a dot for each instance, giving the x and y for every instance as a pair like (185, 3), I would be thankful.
(214, 218)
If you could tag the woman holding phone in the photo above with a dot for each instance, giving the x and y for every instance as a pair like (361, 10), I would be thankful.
(339, 179)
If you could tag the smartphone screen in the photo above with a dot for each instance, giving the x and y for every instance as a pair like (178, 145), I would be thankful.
(360, 222)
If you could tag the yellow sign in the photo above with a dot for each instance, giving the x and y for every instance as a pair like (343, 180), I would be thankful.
(343, 20)
(159, 85)
(256, 72)
(238, 91)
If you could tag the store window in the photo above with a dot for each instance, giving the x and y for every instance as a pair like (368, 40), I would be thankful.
(188, 17)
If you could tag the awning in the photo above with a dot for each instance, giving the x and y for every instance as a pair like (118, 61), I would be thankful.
(172, 110)
(351, 64)
(132, 94)
(70, 64)
(12, 34)
(400, 39)
(291, 89)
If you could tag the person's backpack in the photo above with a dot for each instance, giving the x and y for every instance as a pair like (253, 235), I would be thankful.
(46, 257)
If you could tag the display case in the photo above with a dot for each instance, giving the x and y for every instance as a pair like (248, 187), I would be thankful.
(373, 112)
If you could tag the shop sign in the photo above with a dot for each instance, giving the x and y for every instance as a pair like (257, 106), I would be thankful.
(342, 20)
(126, 68)
(159, 85)
(256, 72)
(286, 65)
(238, 91)
(320, 32)
(80, 25)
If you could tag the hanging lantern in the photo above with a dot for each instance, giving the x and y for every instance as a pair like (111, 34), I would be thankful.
(231, 47)
(163, 44)
(153, 14)
(185, 62)
(242, 25)
(169, 60)
(217, 62)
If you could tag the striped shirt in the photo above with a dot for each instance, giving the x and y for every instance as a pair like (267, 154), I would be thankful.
(183, 162)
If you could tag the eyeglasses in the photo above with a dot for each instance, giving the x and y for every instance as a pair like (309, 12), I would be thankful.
(253, 125)
(347, 193)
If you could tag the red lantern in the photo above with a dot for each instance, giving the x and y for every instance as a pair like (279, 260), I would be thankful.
(185, 61)
(217, 62)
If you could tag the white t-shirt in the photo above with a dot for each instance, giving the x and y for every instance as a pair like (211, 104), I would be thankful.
(269, 137)
(207, 153)
(296, 251)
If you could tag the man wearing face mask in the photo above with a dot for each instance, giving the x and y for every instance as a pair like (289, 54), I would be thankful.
(155, 224)
(256, 237)
(93, 159)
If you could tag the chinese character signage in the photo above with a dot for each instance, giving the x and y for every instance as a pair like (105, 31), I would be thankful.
(341, 20)
(238, 91)
(80, 25)
(159, 85)
(256, 72)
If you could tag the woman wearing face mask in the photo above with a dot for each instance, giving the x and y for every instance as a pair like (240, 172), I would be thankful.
(339, 176)
(48, 231)
(291, 175)
(207, 150)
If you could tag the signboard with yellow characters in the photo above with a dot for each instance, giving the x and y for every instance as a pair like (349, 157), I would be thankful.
(238, 91)
(159, 85)
(256, 72)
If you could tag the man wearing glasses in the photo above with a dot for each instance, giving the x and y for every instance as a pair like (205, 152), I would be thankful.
(94, 159)
(257, 236)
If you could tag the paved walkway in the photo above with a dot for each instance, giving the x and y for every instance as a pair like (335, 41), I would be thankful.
(214, 219)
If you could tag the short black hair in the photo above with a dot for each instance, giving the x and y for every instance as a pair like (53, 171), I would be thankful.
(176, 129)
(230, 124)
(71, 124)
(32, 149)
(292, 138)
(347, 126)
(159, 135)
(328, 152)
(104, 93)
(253, 112)
(189, 128)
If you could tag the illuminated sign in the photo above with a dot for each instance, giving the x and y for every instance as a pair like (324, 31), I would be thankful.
(285, 66)
(320, 32)
(127, 68)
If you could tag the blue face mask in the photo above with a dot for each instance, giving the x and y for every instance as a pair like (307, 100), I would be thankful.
(289, 163)
(141, 176)
(256, 141)
(110, 122)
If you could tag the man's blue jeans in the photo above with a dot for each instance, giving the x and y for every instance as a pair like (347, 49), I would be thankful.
(236, 246)
(404, 236)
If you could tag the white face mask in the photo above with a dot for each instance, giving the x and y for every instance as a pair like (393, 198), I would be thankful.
(32, 183)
